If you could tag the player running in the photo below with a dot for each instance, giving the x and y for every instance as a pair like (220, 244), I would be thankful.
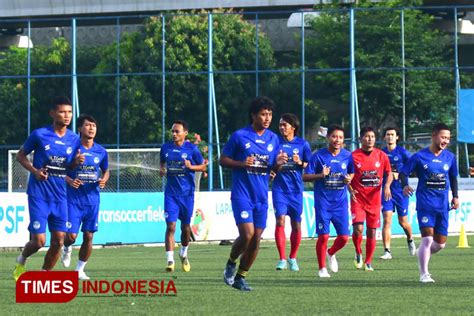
(371, 165)
(331, 169)
(179, 160)
(84, 184)
(437, 172)
(287, 190)
(398, 156)
(55, 149)
(250, 153)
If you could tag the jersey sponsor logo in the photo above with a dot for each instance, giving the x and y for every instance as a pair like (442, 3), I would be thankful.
(69, 150)
(260, 141)
(184, 155)
(370, 178)
(176, 150)
(437, 160)
(424, 219)
(270, 147)
(47, 147)
(286, 146)
(247, 146)
(59, 142)
(446, 167)
(36, 225)
(96, 160)
(377, 164)
(244, 214)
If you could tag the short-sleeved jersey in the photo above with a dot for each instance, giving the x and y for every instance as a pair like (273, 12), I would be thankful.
(398, 158)
(179, 179)
(55, 154)
(331, 189)
(369, 170)
(289, 178)
(252, 183)
(433, 174)
(96, 162)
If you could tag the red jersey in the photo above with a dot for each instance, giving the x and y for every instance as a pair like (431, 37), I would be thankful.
(369, 170)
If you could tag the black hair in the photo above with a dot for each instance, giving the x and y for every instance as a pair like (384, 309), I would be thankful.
(439, 127)
(258, 104)
(334, 127)
(391, 128)
(365, 130)
(293, 120)
(183, 123)
(60, 100)
(83, 117)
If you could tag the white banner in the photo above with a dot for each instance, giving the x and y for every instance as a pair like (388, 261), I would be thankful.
(14, 219)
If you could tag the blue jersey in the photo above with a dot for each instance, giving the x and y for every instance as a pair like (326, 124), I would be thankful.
(179, 179)
(433, 174)
(398, 158)
(331, 189)
(290, 177)
(89, 173)
(252, 183)
(55, 154)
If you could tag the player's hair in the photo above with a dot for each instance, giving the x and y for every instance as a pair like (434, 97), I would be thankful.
(293, 120)
(365, 130)
(391, 128)
(183, 123)
(439, 127)
(60, 100)
(260, 103)
(83, 117)
(334, 127)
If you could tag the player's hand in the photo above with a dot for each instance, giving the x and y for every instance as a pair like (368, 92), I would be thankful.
(272, 175)
(41, 174)
(249, 161)
(76, 183)
(408, 190)
(102, 183)
(387, 194)
(454, 204)
(347, 179)
(79, 159)
(187, 164)
(353, 194)
(471, 171)
(163, 171)
(326, 171)
(282, 158)
(297, 160)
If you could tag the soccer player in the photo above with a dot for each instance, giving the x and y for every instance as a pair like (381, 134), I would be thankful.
(331, 169)
(55, 149)
(84, 184)
(398, 156)
(471, 171)
(287, 190)
(179, 160)
(437, 172)
(250, 153)
(371, 165)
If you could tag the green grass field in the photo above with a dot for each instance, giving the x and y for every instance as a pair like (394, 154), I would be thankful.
(393, 287)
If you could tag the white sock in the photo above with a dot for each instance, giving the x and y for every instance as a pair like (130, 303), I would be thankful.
(183, 252)
(80, 265)
(67, 248)
(170, 256)
(20, 259)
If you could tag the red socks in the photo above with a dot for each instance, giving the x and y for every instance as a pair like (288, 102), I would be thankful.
(280, 240)
(321, 248)
(357, 240)
(339, 243)
(370, 249)
(295, 240)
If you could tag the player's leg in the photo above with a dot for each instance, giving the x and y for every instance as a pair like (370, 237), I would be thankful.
(58, 226)
(440, 232)
(402, 210)
(37, 241)
(74, 219)
(295, 211)
(372, 223)
(358, 219)
(90, 223)
(427, 222)
(340, 220)
(171, 216)
(322, 229)
(185, 214)
(387, 233)
(280, 205)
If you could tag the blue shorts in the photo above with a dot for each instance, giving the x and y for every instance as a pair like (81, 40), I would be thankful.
(179, 207)
(396, 203)
(290, 204)
(338, 217)
(54, 213)
(438, 220)
(247, 212)
(88, 215)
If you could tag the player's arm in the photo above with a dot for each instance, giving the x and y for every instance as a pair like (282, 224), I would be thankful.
(190, 166)
(104, 178)
(40, 174)
(162, 169)
(405, 172)
(453, 179)
(78, 160)
(311, 177)
(386, 190)
(75, 183)
(228, 162)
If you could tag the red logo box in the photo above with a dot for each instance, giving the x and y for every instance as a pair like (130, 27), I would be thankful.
(47, 287)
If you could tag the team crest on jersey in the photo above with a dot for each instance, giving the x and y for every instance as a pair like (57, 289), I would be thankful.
(424, 219)
(270, 147)
(47, 147)
(68, 225)
(247, 146)
(96, 160)
(166, 215)
(244, 214)
(377, 164)
(184, 155)
(320, 226)
(446, 167)
(36, 225)
(69, 150)
(343, 166)
(296, 150)
(395, 158)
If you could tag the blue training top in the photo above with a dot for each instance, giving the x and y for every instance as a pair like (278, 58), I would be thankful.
(398, 158)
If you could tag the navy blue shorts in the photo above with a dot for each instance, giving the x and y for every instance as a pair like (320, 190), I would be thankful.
(438, 220)
(290, 204)
(248, 212)
(338, 217)
(88, 215)
(52, 213)
(179, 207)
